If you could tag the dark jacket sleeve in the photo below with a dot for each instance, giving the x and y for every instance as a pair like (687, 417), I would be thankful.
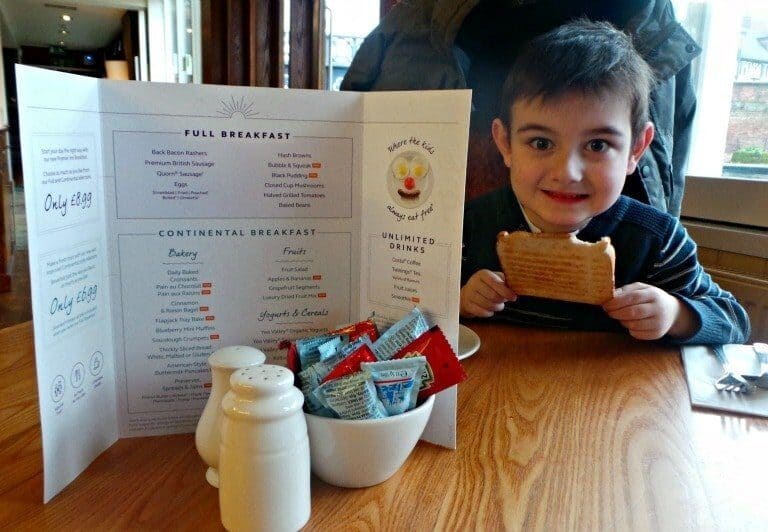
(366, 65)
(662, 167)
(672, 107)
(685, 109)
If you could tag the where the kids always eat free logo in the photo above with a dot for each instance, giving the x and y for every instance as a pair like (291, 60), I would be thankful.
(410, 178)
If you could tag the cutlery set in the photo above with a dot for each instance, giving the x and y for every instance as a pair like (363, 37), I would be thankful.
(732, 381)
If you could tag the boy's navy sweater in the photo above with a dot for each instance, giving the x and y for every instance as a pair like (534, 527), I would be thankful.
(651, 247)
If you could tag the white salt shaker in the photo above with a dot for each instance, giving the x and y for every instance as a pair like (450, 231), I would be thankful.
(264, 454)
(223, 362)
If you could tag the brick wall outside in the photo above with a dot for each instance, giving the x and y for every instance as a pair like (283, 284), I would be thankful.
(748, 125)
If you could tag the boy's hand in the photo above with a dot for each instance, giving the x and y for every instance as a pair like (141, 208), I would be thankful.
(484, 294)
(648, 312)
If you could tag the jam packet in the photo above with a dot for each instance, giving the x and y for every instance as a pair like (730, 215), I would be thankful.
(402, 333)
(397, 382)
(351, 397)
(355, 330)
(442, 370)
(291, 357)
(351, 364)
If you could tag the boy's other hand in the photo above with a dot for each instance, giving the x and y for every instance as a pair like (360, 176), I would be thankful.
(648, 312)
(484, 294)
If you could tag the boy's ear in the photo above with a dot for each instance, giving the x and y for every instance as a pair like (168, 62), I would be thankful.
(501, 138)
(641, 143)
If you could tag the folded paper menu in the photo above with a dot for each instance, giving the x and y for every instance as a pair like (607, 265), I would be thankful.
(166, 221)
(702, 369)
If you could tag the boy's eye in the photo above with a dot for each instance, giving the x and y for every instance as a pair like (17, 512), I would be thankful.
(540, 143)
(597, 145)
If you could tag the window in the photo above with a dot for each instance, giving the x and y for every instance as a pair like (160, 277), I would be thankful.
(728, 162)
(174, 34)
(347, 23)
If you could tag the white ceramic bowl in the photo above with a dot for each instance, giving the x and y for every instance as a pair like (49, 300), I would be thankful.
(357, 454)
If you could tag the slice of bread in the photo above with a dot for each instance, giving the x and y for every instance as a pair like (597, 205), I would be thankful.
(557, 266)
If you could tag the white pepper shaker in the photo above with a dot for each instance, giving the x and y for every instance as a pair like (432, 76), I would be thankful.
(223, 362)
(264, 454)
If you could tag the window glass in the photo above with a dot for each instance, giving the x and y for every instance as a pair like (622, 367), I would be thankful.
(730, 137)
(347, 22)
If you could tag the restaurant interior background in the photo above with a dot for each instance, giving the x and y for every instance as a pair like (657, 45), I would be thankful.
(310, 43)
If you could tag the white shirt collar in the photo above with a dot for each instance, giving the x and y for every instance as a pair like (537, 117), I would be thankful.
(531, 226)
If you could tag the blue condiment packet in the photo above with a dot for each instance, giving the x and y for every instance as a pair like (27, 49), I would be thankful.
(402, 333)
(397, 382)
(352, 397)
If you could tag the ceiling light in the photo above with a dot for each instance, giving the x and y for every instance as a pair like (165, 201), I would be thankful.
(66, 18)
(63, 31)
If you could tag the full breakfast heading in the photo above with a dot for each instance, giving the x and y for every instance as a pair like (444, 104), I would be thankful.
(231, 134)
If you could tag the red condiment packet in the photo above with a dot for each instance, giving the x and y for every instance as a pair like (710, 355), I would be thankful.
(443, 369)
(351, 364)
(356, 330)
(292, 356)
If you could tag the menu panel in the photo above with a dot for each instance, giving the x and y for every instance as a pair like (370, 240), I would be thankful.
(61, 154)
(193, 291)
(406, 259)
(71, 289)
(170, 220)
(66, 169)
(414, 203)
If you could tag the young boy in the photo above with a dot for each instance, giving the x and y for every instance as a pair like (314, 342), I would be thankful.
(573, 124)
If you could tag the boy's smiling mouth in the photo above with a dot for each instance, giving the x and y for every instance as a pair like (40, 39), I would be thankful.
(565, 197)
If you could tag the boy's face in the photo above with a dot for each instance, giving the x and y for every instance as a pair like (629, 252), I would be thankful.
(568, 157)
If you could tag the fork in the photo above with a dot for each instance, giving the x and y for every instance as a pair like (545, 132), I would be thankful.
(730, 381)
(761, 350)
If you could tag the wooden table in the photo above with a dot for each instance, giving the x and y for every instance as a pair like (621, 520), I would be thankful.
(565, 431)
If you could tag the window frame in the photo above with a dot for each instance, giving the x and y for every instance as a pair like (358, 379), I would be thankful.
(730, 200)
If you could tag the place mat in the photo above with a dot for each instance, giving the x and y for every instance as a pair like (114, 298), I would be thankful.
(702, 369)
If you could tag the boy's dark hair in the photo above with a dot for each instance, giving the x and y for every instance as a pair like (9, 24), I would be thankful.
(583, 56)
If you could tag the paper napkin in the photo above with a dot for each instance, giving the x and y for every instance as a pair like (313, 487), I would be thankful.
(702, 369)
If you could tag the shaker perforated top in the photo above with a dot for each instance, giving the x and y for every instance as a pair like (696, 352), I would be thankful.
(266, 379)
(236, 356)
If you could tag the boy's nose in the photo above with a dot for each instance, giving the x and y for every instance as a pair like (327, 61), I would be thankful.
(569, 168)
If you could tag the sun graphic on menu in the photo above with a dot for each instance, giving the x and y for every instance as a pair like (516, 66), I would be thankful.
(237, 108)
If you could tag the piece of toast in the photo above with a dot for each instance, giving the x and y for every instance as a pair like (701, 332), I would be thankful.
(557, 266)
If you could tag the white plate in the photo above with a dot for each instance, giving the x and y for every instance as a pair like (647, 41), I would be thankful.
(469, 342)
